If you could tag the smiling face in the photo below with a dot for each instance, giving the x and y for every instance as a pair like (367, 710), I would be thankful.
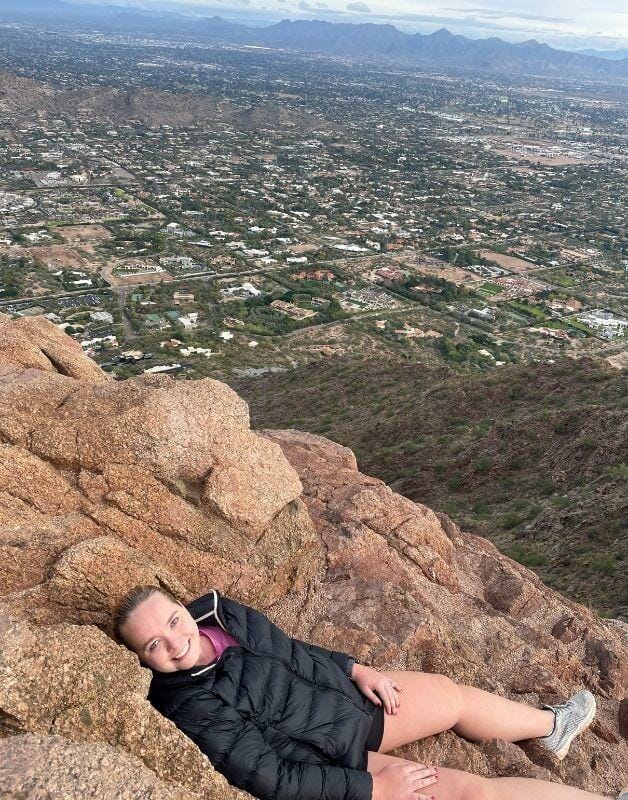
(163, 634)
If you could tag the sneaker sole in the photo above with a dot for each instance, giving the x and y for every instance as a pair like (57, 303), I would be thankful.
(560, 754)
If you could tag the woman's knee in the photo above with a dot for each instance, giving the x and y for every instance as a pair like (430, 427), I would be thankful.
(453, 692)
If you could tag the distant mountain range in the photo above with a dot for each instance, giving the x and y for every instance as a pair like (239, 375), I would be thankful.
(612, 55)
(441, 49)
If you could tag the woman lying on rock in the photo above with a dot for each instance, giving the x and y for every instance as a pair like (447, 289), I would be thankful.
(286, 720)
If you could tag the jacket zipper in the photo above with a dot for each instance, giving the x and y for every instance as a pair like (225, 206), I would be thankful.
(276, 658)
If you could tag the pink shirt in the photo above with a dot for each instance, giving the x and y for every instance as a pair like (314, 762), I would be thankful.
(219, 638)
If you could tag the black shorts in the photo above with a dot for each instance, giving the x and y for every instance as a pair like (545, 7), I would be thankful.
(376, 734)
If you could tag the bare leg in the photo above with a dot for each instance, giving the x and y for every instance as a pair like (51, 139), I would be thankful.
(489, 716)
(431, 703)
(455, 785)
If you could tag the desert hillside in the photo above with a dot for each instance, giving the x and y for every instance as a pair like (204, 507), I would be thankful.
(107, 484)
(23, 98)
(531, 456)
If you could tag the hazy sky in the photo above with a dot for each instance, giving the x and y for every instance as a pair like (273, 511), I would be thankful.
(561, 23)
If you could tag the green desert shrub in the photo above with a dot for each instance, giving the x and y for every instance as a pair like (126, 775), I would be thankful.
(526, 556)
(547, 487)
(618, 471)
(483, 465)
(454, 482)
(605, 563)
(510, 520)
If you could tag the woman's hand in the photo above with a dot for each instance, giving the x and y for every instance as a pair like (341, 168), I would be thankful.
(403, 781)
(377, 687)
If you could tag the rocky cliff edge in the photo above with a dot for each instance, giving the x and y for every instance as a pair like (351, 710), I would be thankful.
(104, 485)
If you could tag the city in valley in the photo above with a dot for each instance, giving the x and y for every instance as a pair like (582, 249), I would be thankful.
(210, 209)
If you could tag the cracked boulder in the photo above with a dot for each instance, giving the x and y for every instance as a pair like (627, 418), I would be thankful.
(105, 484)
(35, 342)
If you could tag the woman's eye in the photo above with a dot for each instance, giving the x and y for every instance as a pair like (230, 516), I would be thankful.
(174, 622)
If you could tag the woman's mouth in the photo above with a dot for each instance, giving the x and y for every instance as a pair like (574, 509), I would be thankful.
(183, 652)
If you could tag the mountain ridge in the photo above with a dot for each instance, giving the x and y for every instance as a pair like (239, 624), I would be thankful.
(610, 54)
(441, 49)
(438, 47)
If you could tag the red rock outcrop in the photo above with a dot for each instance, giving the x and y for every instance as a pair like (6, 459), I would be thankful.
(104, 485)
(34, 342)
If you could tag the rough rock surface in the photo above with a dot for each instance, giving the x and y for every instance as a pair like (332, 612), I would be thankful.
(404, 588)
(104, 485)
(51, 767)
(34, 342)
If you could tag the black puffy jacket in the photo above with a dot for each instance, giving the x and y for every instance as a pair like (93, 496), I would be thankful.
(277, 717)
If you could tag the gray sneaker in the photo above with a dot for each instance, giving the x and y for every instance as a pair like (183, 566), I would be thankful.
(570, 719)
(623, 795)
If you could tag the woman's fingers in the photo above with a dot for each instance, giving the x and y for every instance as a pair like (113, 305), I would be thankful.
(372, 696)
(420, 776)
(389, 697)
(389, 701)
(394, 699)
(424, 773)
(380, 688)
(424, 776)
(427, 780)
(421, 783)
(384, 693)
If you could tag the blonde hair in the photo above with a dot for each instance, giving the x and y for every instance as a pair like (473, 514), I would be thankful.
(127, 604)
